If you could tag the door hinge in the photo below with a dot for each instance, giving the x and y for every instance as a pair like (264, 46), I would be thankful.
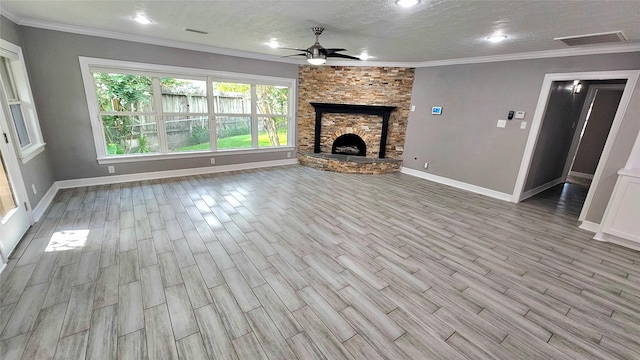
(6, 138)
(26, 207)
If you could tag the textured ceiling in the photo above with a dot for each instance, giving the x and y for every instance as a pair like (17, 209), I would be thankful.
(433, 30)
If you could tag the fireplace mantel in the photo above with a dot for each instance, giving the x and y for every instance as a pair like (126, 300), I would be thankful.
(384, 111)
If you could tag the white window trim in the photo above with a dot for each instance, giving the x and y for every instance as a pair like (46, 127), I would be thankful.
(87, 65)
(29, 113)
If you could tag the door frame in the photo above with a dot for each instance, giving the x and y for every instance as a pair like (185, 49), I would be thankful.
(536, 124)
(575, 142)
(12, 165)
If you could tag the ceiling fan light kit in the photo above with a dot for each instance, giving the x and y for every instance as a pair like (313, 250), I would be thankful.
(316, 61)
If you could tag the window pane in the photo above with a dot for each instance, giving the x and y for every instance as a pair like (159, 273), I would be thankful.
(130, 134)
(272, 131)
(21, 127)
(179, 95)
(123, 92)
(272, 100)
(231, 98)
(187, 133)
(7, 80)
(233, 132)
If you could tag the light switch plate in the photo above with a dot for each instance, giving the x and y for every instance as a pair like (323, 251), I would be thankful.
(502, 123)
(523, 125)
(520, 114)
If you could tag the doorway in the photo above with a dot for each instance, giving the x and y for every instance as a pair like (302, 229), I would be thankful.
(603, 99)
(529, 182)
(15, 217)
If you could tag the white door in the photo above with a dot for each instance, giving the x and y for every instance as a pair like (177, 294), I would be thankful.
(15, 218)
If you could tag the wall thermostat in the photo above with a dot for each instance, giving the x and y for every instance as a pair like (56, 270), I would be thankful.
(436, 110)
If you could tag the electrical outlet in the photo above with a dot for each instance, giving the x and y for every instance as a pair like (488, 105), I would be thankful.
(112, 169)
(523, 125)
(502, 123)
(289, 154)
(213, 161)
(33, 188)
(426, 165)
(413, 108)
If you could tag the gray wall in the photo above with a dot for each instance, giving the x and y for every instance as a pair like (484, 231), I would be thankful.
(618, 158)
(464, 143)
(554, 142)
(38, 170)
(596, 131)
(54, 69)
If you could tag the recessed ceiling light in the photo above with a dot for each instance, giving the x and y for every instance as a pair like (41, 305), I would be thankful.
(273, 44)
(496, 38)
(142, 19)
(407, 3)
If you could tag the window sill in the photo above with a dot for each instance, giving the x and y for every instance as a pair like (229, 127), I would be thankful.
(32, 152)
(183, 155)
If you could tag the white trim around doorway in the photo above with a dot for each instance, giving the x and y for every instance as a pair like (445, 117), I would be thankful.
(630, 75)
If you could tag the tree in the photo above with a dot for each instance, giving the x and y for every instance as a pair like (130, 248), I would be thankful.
(272, 100)
(125, 93)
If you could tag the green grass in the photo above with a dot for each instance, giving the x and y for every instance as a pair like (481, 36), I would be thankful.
(238, 142)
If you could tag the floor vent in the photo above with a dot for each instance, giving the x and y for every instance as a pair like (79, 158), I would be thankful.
(593, 39)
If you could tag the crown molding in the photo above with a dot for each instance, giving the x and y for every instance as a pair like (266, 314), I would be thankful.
(10, 16)
(151, 40)
(594, 50)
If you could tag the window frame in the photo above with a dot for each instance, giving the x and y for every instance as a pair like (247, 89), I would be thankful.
(22, 86)
(89, 65)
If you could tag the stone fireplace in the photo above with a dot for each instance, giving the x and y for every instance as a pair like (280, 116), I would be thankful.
(353, 119)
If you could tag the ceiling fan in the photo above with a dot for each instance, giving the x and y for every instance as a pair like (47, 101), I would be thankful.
(316, 54)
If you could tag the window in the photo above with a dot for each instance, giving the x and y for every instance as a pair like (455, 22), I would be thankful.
(143, 111)
(17, 102)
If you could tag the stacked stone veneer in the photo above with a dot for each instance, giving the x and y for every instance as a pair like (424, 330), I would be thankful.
(385, 86)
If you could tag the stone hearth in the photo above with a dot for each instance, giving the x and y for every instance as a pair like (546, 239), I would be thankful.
(348, 163)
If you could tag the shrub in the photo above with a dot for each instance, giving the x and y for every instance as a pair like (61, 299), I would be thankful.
(199, 135)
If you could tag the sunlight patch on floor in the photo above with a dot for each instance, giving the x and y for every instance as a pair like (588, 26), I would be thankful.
(67, 240)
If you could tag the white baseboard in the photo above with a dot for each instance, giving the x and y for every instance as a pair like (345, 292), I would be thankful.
(581, 175)
(541, 188)
(589, 226)
(617, 240)
(103, 180)
(44, 203)
(458, 184)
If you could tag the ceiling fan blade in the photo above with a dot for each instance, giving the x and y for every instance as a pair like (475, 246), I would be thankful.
(343, 56)
(302, 54)
(331, 51)
(296, 49)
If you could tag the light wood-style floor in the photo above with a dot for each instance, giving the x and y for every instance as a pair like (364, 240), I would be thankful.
(292, 262)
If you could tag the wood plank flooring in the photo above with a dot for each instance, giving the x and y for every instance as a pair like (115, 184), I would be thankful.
(292, 262)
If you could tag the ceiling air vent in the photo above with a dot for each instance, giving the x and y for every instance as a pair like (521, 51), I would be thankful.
(196, 31)
(593, 39)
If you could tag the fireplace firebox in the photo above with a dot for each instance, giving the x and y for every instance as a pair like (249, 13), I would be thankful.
(349, 144)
